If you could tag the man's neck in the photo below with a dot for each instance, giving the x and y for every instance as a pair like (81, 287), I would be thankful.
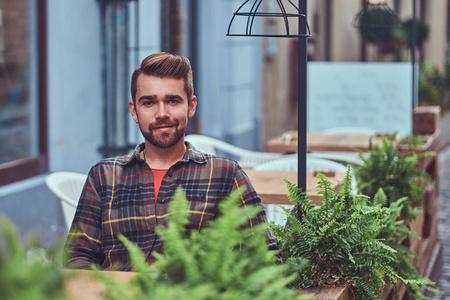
(158, 158)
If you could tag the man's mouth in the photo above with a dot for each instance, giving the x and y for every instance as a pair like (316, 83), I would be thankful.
(163, 126)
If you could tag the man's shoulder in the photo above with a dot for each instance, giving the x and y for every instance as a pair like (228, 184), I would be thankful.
(201, 157)
(114, 160)
(117, 163)
(217, 161)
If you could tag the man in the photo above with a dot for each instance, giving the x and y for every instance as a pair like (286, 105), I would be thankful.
(131, 194)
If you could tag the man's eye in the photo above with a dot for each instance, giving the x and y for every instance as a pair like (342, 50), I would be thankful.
(148, 103)
(173, 101)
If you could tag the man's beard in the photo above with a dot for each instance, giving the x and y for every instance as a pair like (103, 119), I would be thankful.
(164, 140)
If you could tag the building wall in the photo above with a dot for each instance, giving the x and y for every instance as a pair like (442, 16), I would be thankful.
(74, 85)
(345, 40)
(75, 81)
(229, 76)
(436, 46)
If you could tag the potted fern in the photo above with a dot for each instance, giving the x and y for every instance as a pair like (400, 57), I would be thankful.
(346, 241)
(396, 172)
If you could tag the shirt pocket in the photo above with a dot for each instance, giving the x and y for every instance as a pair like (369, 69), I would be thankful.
(204, 207)
(126, 215)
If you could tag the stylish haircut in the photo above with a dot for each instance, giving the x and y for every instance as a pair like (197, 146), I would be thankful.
(165, 64)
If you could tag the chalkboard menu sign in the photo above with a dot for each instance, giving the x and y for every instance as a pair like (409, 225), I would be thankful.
(367, 95)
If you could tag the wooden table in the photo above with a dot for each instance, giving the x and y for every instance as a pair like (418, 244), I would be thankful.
(272, 189)
(85, 285)
(319, 141)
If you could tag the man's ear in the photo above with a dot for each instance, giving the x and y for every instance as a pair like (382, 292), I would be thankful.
(192, 107)
(132, 108)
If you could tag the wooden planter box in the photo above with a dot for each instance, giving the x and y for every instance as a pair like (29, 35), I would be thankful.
(428, 248)
(328, 293)
(85, 285)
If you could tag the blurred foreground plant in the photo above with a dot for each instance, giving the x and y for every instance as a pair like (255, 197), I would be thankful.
(33, 274)
(226, 260)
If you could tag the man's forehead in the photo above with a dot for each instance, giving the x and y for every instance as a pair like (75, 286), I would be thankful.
(169, 86)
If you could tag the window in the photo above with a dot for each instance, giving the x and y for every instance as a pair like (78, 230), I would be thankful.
(23, 132)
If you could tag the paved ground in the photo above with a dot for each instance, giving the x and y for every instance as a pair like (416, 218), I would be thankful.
(444, 208)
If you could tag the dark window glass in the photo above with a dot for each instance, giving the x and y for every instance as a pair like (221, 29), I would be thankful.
(21, 98)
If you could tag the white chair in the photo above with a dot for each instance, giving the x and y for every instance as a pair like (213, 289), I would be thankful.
(245, 158)
(290, 163)
(350, 130)
(340, 157)
(67, 186)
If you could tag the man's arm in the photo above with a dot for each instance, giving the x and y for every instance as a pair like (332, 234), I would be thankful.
(84, 242)
(250, 197)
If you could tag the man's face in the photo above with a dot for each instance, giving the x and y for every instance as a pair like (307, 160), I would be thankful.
(162, 110)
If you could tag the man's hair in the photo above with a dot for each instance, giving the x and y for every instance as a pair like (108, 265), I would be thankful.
(165, 64)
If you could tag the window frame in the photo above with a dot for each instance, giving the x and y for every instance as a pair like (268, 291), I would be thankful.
(28, 167)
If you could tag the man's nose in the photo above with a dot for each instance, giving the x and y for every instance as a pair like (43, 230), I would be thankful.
(162, 112)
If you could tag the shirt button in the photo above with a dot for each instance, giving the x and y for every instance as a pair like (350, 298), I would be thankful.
(162, 200)
(170, 174)
(114, 203)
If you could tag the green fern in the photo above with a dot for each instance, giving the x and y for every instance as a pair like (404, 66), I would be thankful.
(22, 269)
(345, 240)
(396, 173)
(393, 234)
(226, 260)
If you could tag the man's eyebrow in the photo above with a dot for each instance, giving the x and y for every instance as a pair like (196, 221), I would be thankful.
(174, 96)
(146, 97)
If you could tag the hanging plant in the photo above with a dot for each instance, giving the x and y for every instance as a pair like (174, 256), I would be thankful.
(422, 31)
(376, 23)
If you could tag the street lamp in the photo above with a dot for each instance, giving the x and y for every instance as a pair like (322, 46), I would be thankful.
(248, 12)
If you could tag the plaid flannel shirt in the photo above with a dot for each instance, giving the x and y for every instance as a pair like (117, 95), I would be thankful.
(118, 197)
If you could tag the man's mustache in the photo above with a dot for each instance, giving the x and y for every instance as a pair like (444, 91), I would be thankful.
(163, 124)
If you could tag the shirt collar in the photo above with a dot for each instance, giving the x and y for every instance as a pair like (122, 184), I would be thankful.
(191, 154)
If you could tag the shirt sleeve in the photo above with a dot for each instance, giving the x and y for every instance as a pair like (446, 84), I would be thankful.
(83, 246)
(250, 197)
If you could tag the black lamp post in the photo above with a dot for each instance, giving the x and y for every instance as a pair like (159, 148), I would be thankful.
(303, 32)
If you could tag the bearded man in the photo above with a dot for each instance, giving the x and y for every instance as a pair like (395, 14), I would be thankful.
(130, 194)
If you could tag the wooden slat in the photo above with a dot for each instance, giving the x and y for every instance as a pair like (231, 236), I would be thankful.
(272, 189)
(318, 141)
(85, 285)
(328, 293)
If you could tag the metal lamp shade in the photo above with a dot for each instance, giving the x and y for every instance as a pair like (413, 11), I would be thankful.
(251, 11)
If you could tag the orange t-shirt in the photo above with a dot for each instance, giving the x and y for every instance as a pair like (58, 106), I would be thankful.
(158, 175)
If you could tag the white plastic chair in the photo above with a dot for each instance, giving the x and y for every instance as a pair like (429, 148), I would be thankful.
(67, 186)
(290, 163)
(350, 130)
(246, 158)
(340, 157)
